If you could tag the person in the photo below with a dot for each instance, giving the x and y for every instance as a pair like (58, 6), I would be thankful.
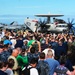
(73, 72)
(69, 62)
(3, 33)
(44, 45)
(13, 56)
(3, 67)
(61, 69)
(9, 70)
(34, 43)
(5, 53)
(22, 60)
(25, 45)
(19, 42)
(31, 67)
(7, 41)
(42, 66)
(52, 62)
(1, 48)
(33, 54)
(62, 47)
(49, 48)
(13, 40)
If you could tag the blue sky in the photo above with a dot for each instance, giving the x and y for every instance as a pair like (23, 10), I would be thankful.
(32, 7)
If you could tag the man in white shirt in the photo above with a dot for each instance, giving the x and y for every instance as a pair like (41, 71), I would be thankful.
(49, 48)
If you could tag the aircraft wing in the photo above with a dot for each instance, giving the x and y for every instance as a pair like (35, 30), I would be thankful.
(31, 24)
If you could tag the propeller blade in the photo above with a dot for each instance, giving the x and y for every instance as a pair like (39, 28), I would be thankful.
(72, 20)
(73, 23)
(68, 20)
(40, 21)
(43, 21)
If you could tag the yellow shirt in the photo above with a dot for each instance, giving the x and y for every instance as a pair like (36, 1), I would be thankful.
(15, 64)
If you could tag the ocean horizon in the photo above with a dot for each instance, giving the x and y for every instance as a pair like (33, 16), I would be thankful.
(7, 19)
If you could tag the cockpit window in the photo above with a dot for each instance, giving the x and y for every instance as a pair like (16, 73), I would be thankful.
(61, 26)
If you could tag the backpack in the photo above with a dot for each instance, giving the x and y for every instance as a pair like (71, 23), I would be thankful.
(43, 68)
(26, 70)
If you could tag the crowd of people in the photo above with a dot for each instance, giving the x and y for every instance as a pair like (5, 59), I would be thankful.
(28, 53)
